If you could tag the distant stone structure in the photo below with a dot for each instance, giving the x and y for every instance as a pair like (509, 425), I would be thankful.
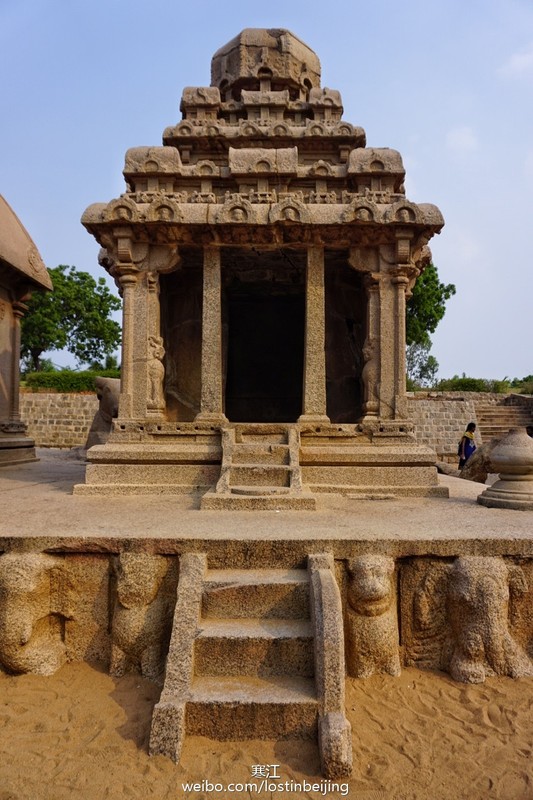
(265, 255)
(21, 272)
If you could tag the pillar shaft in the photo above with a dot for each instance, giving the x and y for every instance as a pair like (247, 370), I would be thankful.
(372, 346)
(14, 405)
(212, 398)
(128, 281)
(400, 283)
(314, 388)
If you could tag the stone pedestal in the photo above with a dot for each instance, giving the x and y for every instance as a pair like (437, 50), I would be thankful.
(513, 458)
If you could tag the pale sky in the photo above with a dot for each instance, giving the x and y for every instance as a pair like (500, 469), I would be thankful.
(448, 83)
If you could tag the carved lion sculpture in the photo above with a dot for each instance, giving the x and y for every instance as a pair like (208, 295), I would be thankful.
(475, 592)
(371, 617)
(140, 615)
(33, 591)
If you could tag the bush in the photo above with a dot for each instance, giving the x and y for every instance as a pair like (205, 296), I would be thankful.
(464, 384)
(67, 380)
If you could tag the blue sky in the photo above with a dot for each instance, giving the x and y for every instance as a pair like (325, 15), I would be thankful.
(448, 83)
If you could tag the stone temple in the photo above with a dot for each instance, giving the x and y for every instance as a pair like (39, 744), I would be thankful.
(265, 255)
(22, 272)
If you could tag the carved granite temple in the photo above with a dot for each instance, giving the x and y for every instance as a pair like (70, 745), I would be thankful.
(22, 272)
(265, 255)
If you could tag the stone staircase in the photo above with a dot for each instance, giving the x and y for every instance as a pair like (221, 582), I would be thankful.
(495, 420)
(260, 470)
(246, 660)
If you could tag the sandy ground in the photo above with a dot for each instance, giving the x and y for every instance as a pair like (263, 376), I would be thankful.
(82, 735)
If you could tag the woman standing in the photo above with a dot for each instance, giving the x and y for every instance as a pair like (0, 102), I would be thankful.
(467, 444)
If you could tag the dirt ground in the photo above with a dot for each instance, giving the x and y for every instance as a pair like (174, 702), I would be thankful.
(82, 735)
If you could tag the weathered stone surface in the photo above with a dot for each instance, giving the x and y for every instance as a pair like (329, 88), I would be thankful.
(512, 458)
(371, 617)
(22, 272)
(107, 392)
(168, 723)
(334, 730)
(264, 254)
(34, 604)
(479, 466)
(464, 617)
(142, 615)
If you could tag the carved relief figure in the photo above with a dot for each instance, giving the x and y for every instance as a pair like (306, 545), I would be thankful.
(140, 615)
(156, 373)
(33, 606)
(371, 617)
(370, 377)
(476, 591)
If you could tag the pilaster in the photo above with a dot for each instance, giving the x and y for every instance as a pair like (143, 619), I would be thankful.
(212, 396)
(314, 388)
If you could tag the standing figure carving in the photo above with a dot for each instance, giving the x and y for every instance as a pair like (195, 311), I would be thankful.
(370, 377)
(156, 373)
(371, 617)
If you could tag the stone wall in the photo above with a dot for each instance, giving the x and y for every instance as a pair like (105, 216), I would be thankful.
(63, 420)
(58, 419)
(440, 419)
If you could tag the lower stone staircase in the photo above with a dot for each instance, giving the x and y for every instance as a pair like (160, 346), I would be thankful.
(260, 470)
(254, 647)
(495, 420)
(247, 660)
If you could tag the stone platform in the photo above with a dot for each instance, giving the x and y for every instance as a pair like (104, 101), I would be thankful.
(243, 618)
(39, 510)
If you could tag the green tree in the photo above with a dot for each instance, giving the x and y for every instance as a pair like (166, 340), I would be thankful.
(75, 317)
(425, 309)
(422, 367)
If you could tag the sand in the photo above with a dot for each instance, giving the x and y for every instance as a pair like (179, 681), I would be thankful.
(81, 734)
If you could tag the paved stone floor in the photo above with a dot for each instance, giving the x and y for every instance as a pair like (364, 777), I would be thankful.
(37, 502)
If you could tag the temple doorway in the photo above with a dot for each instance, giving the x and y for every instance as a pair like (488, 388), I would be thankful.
(265, 353)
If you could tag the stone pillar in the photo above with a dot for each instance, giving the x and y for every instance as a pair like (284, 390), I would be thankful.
(400, 281)
(314, 388)
(128, 281)
(155, 399)
(212, 399)
(372, 347)
(18, 313)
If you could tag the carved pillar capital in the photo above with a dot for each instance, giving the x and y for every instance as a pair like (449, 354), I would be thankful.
(403, 245)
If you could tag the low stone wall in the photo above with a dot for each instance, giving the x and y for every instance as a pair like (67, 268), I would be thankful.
(63, 420)
(58, 419)
(440, 419)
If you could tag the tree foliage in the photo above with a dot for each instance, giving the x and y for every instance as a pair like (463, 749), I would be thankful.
(75, 317)
(426, 306)
(422, 367)
(425, 309)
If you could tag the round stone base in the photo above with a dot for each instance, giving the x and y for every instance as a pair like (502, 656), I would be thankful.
(494, 498)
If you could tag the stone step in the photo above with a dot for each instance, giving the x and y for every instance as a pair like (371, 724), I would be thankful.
(252, 708)
(260, 499)
(501, 418)
(270, 593)
(259, 475)
(254, 647)
(260, 453)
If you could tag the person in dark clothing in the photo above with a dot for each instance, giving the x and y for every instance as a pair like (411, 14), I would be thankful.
(467, 444)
